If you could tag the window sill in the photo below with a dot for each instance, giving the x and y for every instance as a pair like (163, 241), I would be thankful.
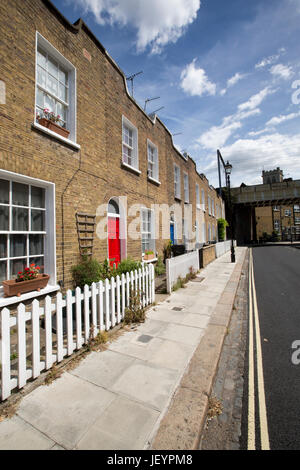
(131, 168)
(55, 135)
(5, 301)
(154, 181)
(146, 261)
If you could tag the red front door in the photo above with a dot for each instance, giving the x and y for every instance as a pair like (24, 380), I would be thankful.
(114, 248)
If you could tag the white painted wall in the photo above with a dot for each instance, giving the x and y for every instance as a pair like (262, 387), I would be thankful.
(180, 266)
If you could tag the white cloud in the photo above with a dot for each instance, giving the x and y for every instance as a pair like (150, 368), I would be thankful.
(255, 133)
(270, 60)
(282, 118)
(232, 81)
(255, 100)
(157, 22)
(282, 71)
(195, 82)
(249, 156)
(236, 78)
(217, 136)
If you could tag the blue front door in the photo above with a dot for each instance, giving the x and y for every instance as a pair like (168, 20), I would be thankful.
(172, 233)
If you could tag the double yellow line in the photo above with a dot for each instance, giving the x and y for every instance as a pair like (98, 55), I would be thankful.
(254, 327)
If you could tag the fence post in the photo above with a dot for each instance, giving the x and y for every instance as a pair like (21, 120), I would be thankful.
(48, 332)
(152, 283)
(21, 346)
(5, 353)
(100, 305)
(113, 301)
(147, 284)
(143, 286)
(86, 310)
(36, 358)
(94, 310)
(70, 348)
(118, 284)
(78, 317)
(59, 328)
(127, 289)
(123, 294)
(107, 320)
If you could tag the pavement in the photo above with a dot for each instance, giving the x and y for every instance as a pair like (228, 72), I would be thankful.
(149, 389)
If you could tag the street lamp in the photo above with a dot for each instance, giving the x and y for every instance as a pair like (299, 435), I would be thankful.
(228, 168)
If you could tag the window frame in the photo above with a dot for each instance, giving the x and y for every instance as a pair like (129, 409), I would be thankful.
(135, 154)
(177, 182)
(150, 232)
(155, 163)
(186, 188)
(198, 202)
(49, 231)
(47, 47)
(203, 200)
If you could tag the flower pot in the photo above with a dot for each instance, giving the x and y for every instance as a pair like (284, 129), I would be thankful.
(12, 287)
(52, 126)
(148, 257)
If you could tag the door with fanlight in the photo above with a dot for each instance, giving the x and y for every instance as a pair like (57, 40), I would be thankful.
(113, 233)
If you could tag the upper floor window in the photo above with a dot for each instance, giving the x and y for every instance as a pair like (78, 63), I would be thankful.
(197, 196)
(288, 212)
(203, 199)
(129, 144)
(296, 208)
(55, 90)
(209, 204)
(177, 187)
(186, 188)
(152, 160)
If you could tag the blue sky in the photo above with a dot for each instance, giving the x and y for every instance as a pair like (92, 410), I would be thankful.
(227, 74)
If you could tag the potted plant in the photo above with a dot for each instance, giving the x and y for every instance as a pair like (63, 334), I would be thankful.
(28, 280)
(148, 255)
(50, 120)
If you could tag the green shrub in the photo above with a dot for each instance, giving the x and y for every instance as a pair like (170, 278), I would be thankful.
(86, 272)
(135, 313)
(128, 265)
(160, 267)
(222, 224)
(90, 270)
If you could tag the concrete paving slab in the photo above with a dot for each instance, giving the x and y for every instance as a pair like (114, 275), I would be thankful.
(168, 315)
(172, 355)
(65, 409)
(196, 320)
(152, 327)
(137, 349)
(182, 334)
(147, 383)
(125, 424)
(103, 368)
(16, 434)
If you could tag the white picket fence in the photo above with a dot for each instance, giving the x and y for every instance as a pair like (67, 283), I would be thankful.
(77, 318)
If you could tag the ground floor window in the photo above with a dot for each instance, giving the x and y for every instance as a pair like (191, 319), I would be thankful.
(147, 230)
(26, 234)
